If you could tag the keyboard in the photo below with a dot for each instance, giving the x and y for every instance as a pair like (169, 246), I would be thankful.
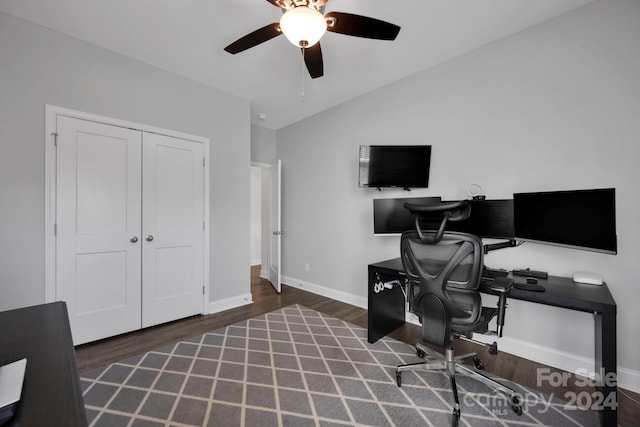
(490, 273)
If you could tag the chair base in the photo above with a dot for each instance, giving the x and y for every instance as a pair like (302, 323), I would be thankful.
(452, 364)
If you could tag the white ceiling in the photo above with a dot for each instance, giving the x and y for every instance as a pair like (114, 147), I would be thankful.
(187, 37)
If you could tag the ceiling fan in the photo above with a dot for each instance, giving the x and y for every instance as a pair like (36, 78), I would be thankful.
(304, 23)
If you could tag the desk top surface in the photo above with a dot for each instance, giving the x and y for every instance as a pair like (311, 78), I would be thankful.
(560, 291)
(51, 393)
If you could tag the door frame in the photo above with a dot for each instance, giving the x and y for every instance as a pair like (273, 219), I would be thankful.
(51, 116)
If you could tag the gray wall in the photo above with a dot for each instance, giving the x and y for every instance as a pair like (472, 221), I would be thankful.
(263, 145)
(38, 67)
(554, 107)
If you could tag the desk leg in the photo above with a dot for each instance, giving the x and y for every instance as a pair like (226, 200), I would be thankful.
(606, 366)
(386, 307)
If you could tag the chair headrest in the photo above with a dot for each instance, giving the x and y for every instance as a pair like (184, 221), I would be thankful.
(447, 211)
(455, 211)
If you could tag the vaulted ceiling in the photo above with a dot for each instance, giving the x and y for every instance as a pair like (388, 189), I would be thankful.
(187, 37)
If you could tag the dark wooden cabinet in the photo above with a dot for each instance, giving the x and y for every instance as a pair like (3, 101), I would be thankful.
(51, 394)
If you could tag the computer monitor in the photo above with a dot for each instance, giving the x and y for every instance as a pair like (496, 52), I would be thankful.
(489, 219)
(390, 217)
(581, 219)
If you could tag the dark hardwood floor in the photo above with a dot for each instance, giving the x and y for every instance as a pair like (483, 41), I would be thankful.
(265, 299)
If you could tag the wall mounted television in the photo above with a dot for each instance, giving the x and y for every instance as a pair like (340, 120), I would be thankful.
(391, 218)
(404, 166)
(581, 219)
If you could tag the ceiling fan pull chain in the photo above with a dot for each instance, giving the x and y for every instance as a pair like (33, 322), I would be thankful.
(302, 76)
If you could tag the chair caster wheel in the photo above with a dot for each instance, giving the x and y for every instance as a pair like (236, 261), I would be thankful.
(455, 418)
(421, 354)
(399, 378)
(478, 363)
(515, 405)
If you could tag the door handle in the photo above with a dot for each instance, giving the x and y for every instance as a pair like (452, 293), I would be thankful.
(148, 238)
(133, 239)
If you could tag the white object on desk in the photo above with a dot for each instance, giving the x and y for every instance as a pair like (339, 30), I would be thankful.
(11, 378)
(588, 278)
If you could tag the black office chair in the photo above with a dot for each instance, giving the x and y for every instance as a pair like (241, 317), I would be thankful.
(444, 271)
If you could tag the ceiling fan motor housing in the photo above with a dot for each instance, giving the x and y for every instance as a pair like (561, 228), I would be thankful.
(290, 4)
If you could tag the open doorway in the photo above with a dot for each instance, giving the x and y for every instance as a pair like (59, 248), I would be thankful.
(256, 216)
(265, 232)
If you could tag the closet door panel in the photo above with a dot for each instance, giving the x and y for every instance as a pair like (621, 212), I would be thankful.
(98, 210)
(172, 228)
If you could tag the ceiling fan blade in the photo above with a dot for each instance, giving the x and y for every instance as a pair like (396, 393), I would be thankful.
(275, 3)
(313, 60)
(260, 35)
(361, 26)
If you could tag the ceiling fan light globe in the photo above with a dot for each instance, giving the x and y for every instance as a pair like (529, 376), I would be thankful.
(303, 26)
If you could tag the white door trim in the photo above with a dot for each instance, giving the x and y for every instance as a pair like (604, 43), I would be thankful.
(51, 114)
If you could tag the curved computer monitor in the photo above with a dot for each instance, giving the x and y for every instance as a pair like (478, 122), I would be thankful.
(580, 219)
(390, 217)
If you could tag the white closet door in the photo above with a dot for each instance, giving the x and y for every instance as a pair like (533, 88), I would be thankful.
(98, 261)
(172, 229)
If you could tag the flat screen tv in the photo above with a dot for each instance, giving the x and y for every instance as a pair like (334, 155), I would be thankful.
(405, 166)
(489, 218)
(581, 219)
(390, 217)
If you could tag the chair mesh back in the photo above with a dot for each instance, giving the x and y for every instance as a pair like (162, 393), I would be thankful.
(449, 270)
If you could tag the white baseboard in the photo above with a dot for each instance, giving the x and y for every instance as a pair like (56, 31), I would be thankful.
(326, 292)
(229, 303)
(628, 379)
(256, 262)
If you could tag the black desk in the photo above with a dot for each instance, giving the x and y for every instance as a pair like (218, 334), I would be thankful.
(51, 394)
(387, 312)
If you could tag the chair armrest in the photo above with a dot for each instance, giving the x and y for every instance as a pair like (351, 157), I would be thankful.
(501, 284)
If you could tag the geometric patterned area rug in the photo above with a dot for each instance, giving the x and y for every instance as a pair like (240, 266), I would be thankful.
(298, 367)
